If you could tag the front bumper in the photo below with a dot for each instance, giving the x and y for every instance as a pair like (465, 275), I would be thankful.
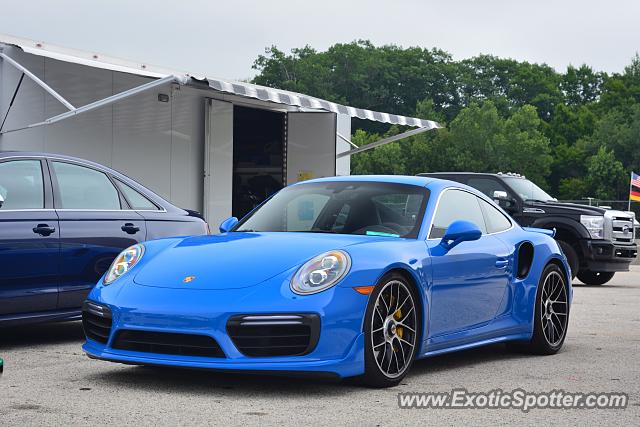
(339, 350)
(605, 256)
(350, 365)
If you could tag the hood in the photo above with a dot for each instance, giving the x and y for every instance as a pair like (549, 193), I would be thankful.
(566, 208)
(236, 260)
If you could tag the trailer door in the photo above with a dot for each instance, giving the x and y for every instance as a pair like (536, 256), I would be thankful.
(310, 146)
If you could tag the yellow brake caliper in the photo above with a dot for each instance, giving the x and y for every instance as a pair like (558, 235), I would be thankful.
(399, 329)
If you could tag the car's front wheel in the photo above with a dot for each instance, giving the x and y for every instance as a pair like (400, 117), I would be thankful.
(594, 277)
(392, 328)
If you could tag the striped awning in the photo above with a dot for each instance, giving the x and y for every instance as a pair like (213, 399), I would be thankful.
(305, 101)
(236, 88)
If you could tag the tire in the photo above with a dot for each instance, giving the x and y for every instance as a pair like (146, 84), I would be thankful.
(572, 257)
(392, 327)
(594, 278)
(550, 319)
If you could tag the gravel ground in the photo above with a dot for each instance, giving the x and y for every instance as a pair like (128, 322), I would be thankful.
(48, 380)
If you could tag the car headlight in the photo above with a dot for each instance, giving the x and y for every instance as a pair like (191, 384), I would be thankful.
(321, 272)
(594, 224)
(123, 263)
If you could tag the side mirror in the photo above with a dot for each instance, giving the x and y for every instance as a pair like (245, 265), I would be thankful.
(228, 224)
(503, 200)
(458, 232)
(1, 200)
(500, 195)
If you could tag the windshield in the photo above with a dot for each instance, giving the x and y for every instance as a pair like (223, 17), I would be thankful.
(368, 208)
(528, 190)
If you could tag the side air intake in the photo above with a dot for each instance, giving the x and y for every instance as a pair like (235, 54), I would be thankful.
(524, 260)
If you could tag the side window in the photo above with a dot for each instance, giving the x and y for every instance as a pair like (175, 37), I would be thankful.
(487, 186)
(456, 205)
(21, 185)
(496, 221)
(136, 200)
(84, 188)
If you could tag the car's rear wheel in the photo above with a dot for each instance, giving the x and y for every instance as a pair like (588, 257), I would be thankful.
(594, 277)
(551, 312)
(392, 328)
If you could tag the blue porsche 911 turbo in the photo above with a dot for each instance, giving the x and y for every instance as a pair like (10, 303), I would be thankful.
(344, 276)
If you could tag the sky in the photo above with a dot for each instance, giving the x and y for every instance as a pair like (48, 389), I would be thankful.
(223, 38)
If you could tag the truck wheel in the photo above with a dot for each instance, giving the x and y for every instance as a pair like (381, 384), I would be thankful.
(572, 257)
(594, 277)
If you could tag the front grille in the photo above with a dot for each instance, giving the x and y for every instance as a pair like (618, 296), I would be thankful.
(274, 334)
(622, 230)
(167, 343)
(96, 321)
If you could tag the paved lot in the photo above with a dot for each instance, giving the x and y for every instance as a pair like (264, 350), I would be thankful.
(48, 380)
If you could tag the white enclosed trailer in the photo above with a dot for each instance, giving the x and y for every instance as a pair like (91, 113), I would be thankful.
(212, 145)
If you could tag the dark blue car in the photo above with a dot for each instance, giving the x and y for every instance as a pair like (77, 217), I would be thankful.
(62, 222)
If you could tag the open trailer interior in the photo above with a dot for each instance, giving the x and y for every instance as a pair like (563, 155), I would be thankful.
(259, 138)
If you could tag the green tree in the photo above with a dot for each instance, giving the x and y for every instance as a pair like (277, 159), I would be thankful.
(478, 140)
(606, 175)
(525, 148)
(619, 131)
(582, 85)
(386, 78)
(537, 85)
(387, 159)
(570, 132)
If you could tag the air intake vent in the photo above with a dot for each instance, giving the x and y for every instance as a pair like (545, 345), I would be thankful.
(525, 259)
(274, 334)
(167, 343)
(96, 321)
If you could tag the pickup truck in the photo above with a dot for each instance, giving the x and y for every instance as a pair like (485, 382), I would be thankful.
(597, 242)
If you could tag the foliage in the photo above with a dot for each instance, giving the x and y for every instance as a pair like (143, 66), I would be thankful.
(576, 133)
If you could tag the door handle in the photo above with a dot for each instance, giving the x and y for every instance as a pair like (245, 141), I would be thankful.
(130, 228)
(44, 230)
(502, 263)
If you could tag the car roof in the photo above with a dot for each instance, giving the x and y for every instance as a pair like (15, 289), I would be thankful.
(10, 154)
(436, 185)
(420, 181)
(456, 173)
(499, 174)
(433, 184)
(119, 175)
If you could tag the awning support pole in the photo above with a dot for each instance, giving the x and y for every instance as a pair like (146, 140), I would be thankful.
(37, 80)
(13, 98)
(383, 141)
(103, 102)
(345, 139)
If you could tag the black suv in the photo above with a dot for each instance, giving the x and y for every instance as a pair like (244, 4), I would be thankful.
(597, 242)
